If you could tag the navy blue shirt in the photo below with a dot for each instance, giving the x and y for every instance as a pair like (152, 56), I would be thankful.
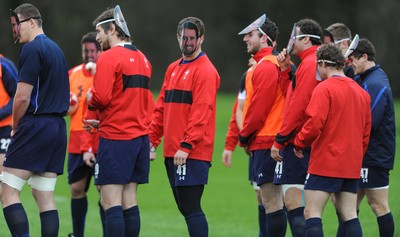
(382, 144)
(42, 64)
(9, 81)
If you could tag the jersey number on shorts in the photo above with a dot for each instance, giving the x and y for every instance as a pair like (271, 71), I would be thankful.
(364, 175)
(181, 171)
(4, 143)
(278, 169)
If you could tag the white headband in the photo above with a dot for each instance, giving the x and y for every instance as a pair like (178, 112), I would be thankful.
(105, 21)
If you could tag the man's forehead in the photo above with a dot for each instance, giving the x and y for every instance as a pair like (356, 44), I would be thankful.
(189, 32)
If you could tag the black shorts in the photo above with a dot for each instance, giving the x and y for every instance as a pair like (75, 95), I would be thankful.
(330, 184)
(194, 172)
(374, 177)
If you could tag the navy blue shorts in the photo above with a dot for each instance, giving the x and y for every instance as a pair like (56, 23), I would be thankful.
(292, 170)
(263, 166)
(194, 172)
(122, 161)
(252, 178)
(77, 169)
(330, 185)
(374, 177)
(39, 144)
(5, 138)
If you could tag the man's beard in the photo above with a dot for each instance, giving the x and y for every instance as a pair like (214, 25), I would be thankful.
(105, 45)
(188, 52)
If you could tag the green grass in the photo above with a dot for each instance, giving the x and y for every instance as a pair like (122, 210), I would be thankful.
(229, 201)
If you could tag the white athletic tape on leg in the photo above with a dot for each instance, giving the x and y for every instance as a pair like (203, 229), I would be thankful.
(42, 183)
(13, 181)
(1, 177)
(285, 187)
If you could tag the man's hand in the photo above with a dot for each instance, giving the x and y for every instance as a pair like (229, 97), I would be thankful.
(90, 125)
(275, 154)
(227, 158)
(89, 158)
(298, 153)
(180, 157)
(283, 60)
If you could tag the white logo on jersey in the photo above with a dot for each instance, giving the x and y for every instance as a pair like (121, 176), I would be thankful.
(186, 73)
(132, 60)
(260, 175)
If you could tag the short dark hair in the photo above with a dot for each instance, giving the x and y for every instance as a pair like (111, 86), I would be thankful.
(331, 55)
(28, 11)
(197, 24)
(91, 38)
(271, 29)
(311, 27)
(106, 15)
(339, 31)
(364, 47)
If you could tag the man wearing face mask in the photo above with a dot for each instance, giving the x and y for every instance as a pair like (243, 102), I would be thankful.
(122, 98)
(82, 145)
(185, 115)
(340, 36)
(379, 159)
(337, 127)
(290, 172)
(261, 119)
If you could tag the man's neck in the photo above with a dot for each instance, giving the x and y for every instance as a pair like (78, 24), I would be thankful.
(192, 56)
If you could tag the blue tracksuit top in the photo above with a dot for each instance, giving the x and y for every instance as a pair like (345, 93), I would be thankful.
(382, 144)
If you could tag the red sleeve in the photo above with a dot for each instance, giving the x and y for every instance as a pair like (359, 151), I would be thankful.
(103, 82)
(204, 101)
(156, 129)
(231, 139)
(284, 80)
(265, 84)
(316, 113)
(294, 114)
(367, 128)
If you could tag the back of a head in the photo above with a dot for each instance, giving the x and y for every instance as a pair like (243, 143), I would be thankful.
(90, 38)
(339, 31)
(311, 27)
(193, 23)
(331, 55)
(108, 15)
(365, 47)
(27, 11)
(271, 29)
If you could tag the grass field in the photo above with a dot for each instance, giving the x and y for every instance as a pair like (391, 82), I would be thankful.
(229, 201)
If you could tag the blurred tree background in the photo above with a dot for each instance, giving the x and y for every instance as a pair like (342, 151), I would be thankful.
(153, 28)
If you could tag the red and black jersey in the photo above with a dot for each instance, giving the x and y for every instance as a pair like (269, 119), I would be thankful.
(121, 93)
(186, 108)
(298, 96)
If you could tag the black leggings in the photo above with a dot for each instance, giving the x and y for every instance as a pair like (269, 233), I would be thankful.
(188, 199)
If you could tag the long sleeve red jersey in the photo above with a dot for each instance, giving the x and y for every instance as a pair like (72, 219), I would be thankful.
(298, 96)
(121, 93)
(231, 139)
(338, 128)
(186, 108)
(263, 109)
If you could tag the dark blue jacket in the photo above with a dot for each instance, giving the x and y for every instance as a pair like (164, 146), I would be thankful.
(382, 144)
